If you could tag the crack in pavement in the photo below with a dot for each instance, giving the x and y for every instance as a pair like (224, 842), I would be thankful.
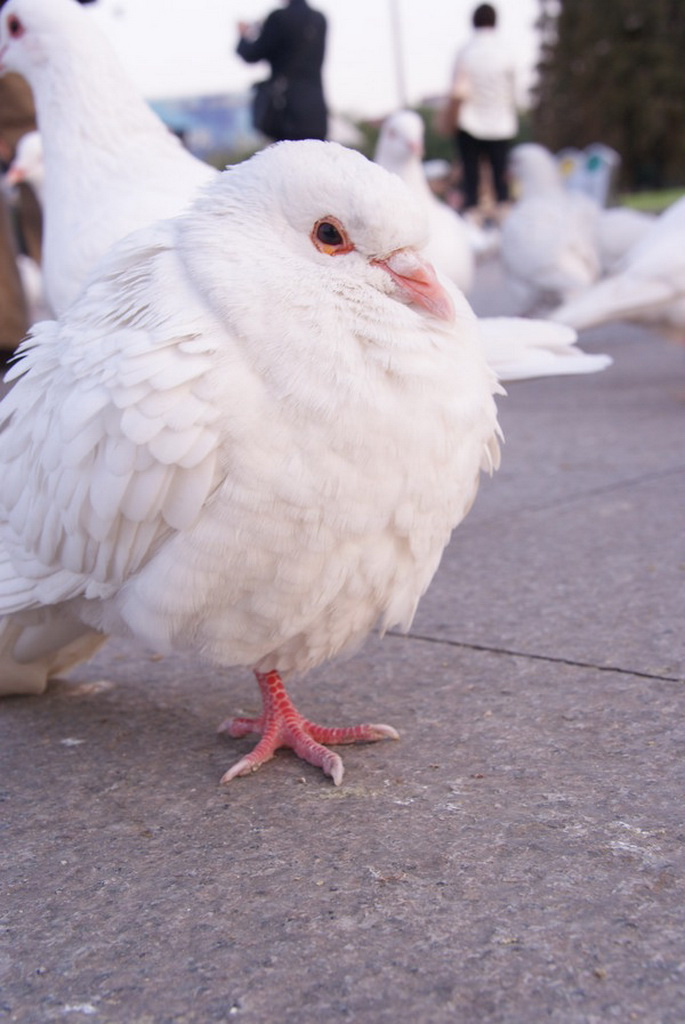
(536, 657)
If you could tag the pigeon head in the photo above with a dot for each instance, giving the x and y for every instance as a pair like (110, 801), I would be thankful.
(22, 32)
(30, 33)
(335, 218)
(400, 140)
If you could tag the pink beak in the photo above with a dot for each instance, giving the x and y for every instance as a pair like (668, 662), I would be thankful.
(418, 282)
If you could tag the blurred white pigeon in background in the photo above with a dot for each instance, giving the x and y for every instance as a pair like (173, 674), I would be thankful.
(618, 229)
(648, 286)
(28, 164)
(32, 285)
(548, 240)
(593, 171)
(249, 438)
(111, 165)
(27, 168)
(400, 149)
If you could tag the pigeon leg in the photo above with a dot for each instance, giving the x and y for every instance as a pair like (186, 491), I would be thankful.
(281, 725)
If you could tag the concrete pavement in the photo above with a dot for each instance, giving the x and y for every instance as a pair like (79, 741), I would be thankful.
(518, 856)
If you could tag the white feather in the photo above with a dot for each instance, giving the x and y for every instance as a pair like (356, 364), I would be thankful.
(519, 349)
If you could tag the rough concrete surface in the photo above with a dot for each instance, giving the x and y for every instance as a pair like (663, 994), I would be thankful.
(518, 856)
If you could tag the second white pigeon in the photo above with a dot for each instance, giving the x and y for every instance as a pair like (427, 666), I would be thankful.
(111, 165)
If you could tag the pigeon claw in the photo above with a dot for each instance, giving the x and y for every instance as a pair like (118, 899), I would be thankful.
(281, 725)
(303, 745)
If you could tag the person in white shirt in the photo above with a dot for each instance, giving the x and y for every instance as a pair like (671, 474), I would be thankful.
(484, 114)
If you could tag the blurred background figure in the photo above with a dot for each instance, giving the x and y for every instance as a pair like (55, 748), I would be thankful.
(28, 164)
(21, 219)
(20, 222)
(293, 41)
(549, 238)
(481, 112)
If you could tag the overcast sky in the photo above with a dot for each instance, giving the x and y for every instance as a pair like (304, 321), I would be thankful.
(181, 47)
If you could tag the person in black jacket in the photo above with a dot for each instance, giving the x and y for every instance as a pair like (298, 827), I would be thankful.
(293, 41)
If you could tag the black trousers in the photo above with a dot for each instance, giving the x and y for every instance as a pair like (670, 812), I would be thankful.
(472, 151)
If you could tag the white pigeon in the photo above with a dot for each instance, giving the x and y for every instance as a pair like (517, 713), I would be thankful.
(28, 165)
(400, 149)
(111, 165)
(250, 438)
(649, 285)
(32, 286)
(548, 242)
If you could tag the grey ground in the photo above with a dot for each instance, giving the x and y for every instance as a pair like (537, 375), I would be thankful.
(517, 857)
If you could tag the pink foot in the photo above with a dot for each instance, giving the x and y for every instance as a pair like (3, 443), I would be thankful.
(282, 725)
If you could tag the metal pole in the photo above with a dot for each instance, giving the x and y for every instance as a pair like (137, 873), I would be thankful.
(398, 52)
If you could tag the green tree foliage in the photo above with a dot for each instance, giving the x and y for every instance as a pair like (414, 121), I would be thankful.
(613, 71)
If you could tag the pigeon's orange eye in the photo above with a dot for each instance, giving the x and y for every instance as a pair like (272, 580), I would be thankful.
(14, 26)
(329, 236)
